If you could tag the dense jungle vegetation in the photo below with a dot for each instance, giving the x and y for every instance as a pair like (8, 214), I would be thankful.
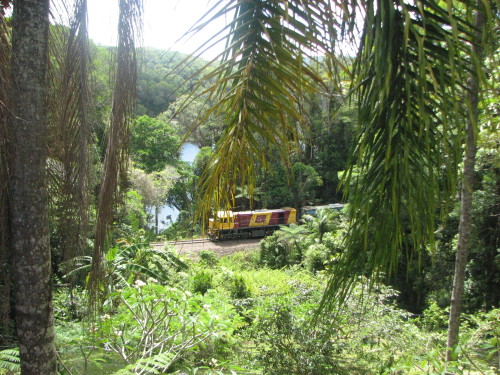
(142, 310)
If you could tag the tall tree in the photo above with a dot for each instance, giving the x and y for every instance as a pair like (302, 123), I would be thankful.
(464, 229)
(5, 279)
(31, 265)
(153, 145)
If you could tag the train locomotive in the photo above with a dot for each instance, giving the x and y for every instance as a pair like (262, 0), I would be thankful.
(249, 224)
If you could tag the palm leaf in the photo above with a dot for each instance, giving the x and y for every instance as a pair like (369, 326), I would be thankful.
(170, 258)
(265, 68)
(69, 129)
(121, 112)
(409, 75)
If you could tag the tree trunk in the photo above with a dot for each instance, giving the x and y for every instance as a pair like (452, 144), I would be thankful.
(157, 213)
(466, 195)
(31, 265)
(6, 332)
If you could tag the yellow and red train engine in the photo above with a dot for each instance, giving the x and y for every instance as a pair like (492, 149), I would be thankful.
(247, 224)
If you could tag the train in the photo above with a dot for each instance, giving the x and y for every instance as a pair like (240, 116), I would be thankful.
(259, 223)
(313, 210)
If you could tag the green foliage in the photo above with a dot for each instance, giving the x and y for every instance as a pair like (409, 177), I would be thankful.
(482, 287)
(351, 340)
(80, 351)
(285, 246)
(162, 77)
(183, 192)
(69, 303)
(275, 253)
(275, 186)
(155, 325)
(306, 180)
(434, 318)
(330, 138)
(201, 282)
(182, 228)
(241, 260)
(209, 258)
(288, 347)
(188, 117)
(369, 335)
(485, 339)
(238, 288)
(125, 263)
(133, 212)
(10, 362)
(201, 160)
(316, 256)
(154, 144)
(154, 186)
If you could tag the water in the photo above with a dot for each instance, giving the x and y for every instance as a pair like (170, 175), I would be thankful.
(169, 214)
(189, 152)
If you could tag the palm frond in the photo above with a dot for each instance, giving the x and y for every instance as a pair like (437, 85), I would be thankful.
(410, 76)
(121, 112)
(264, 70)
(69, 133)
(170, 258)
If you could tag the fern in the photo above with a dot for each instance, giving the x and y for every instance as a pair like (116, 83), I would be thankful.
(10, 361)
(157, 364)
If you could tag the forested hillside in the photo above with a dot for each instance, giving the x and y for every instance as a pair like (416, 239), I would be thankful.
(402, 130)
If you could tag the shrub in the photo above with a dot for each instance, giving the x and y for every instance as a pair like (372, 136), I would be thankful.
(316, 257)
(202, 282)
(273, 252)
(69, 303)
(238, 288)
(434, 318)
(282, 249)
(241, 260)
(209, 258)
(367, 335)
(155, 326)
(288, 345)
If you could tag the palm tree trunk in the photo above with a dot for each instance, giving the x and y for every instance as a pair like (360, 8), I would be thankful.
(5, 279)
(31, 263)
(466, 195)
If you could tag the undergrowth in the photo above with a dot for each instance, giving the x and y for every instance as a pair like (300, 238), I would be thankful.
(231, 315)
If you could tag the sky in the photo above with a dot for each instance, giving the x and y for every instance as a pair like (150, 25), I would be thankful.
(165, 21)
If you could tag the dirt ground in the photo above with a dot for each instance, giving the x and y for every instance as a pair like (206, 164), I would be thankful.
(221, 248)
